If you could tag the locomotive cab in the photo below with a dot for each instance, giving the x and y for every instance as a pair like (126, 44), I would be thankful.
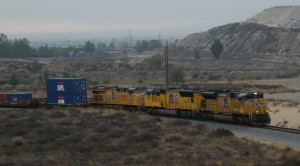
(256, 107)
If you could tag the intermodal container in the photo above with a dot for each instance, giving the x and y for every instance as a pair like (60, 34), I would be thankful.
(66, 85)
(67, 98)
(15, 97)
(12, 99)
(3, 98)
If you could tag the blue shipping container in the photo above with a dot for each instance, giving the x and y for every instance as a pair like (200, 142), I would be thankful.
(66, 85)
(67, 98)
(17, 97)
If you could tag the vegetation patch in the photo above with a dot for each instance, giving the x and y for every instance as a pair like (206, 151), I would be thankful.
(85, 137)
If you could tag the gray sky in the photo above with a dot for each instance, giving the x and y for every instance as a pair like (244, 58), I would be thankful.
(96, 18)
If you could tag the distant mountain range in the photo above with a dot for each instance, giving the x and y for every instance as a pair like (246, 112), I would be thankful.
(272, 33)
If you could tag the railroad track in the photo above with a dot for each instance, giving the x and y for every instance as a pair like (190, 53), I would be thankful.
(283, 129)
(269, 127)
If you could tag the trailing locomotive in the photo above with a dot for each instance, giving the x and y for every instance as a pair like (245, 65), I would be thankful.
(245, 107)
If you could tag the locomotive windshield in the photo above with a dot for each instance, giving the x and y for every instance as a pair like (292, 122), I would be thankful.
(250, 95)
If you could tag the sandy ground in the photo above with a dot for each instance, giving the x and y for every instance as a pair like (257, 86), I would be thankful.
(285, 114)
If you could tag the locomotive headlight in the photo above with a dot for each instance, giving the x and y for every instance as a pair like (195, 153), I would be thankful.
(257, 112)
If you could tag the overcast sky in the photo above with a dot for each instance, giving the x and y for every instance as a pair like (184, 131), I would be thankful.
(96, 18)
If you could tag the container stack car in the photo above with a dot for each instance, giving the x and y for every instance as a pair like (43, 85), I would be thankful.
(66, 91)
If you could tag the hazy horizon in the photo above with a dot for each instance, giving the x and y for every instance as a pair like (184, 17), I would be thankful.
(94, 19)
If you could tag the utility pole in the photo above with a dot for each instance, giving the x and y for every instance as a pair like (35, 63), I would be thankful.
(166, 66)
(130, 38)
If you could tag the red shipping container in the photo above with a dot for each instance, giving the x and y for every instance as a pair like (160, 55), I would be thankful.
(3, 98)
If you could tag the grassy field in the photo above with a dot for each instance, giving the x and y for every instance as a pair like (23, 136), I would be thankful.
(79, 136)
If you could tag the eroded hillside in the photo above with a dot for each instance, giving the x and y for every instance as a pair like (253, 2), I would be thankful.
(279, 16)
(244, 41)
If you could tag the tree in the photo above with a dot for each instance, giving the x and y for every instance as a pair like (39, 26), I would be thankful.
(21, 48)
(154, 44)
(230, 79)
(177, 74)
(89, 47)
(14, 80)
(156, 60)
(217, 48)
(142, 46)
(34, 66)
(197, 55)
(5, 46)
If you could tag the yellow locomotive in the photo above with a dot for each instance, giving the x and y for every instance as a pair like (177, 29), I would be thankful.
(246, 107)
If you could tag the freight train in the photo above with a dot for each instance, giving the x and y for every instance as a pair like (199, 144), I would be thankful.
(241, 107)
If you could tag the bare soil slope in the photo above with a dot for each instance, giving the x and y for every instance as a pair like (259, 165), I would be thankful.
(279, 16)
(243, 41)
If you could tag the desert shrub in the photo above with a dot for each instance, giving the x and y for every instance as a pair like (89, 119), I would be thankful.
(116, 133)
(156, 129)
(74, 112)
(154, 157)
(103, 128)
(79, 158)
(179, 122)
(196, 130)
(18, 141)
(86, 115)
(145, 124)
(110, 159)
(275, 111)
(75, 137)
(292, 104)
(34, 124)
(36, 113)
(97, 138)
(57, 114)
(83, 147)
(173, 138)
(18, 131)
(48, 134)
(186, 143)
(155, 119)
(65, 122)
(106, 82)
(119, 123)
(7, 163)
(87, 122)
(35, 161)
(118, 115)
(131, 131)
(10, 124)
(220, 132)
(134, 161)
(111, 148)
(143, 137)
(13, 115)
